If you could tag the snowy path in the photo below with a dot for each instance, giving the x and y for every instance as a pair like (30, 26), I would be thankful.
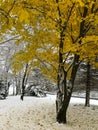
(39, 114)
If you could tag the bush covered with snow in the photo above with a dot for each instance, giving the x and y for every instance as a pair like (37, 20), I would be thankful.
(3, 90)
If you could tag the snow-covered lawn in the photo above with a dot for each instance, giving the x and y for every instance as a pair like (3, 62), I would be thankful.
(39, 114)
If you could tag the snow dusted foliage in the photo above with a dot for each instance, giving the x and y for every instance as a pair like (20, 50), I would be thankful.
(80, 81)
(3, 90)
(38, 84)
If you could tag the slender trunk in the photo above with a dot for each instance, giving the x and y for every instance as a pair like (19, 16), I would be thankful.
(87, 100)
(23, 83)
(6, 83)
(18, 84)
(13, 90)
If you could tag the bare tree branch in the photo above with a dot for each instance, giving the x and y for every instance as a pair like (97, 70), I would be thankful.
(43, 62)
(12, 6)
(13, 38)
(5, 14)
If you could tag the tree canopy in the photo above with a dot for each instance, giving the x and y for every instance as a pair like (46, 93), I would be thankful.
(40, 23)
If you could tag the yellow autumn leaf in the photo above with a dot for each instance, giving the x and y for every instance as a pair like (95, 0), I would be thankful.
(24, 16)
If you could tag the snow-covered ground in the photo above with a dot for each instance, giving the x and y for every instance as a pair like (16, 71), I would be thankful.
(39, 114)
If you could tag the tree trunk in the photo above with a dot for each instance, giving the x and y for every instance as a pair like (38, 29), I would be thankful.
(87, 100)
(18, 85)
(13, 90)
(61, 113)
(23, 83)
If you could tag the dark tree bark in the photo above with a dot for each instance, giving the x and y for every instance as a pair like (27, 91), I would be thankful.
(87, 99)
(23, 83)
(61, 72)
(68, 88)
(23, 92)
(61, 114)
(18, 85)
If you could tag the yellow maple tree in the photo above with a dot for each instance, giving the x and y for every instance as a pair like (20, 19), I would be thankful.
(54, 31)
